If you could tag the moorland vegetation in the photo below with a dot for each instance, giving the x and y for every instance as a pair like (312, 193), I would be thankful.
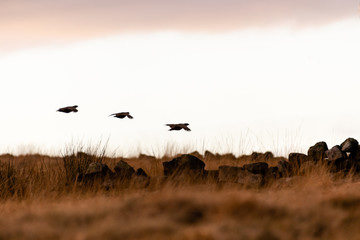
(88, 195)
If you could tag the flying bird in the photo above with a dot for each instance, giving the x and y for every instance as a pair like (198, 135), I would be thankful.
(178, 126)
(122, 115)
(68, 109)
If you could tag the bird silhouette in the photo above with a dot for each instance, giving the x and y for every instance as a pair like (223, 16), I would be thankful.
(178, 126)
(122, 115)
(68, 109)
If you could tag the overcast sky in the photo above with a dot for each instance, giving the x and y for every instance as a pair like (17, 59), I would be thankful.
(25, 22)
(247, 75)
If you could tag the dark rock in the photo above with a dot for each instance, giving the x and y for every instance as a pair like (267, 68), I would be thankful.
(140, 172)
(185, 164)
(257, 168)
(273, 170)
(317, 152)
(344, 165)
(230, 174)
(350, 145)
(357, 167)
(123, 170)
(355, 156)
(296, 159)
(335, 153)
(284, 168)
(96, 171)
(97, 168)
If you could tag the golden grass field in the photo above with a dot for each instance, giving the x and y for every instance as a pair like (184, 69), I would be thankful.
(39, 200)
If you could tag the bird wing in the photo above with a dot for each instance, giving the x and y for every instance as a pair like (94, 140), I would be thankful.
(73, 108)
(186, 128)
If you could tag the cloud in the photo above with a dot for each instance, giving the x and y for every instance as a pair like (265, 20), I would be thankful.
(25, 22)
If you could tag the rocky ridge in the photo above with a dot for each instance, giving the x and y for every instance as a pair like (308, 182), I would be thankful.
(343, 158)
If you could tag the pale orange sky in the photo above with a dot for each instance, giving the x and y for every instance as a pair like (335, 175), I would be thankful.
(28, 22)
(276, 75)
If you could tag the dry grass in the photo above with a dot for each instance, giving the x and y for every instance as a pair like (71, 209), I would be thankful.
(40, 200)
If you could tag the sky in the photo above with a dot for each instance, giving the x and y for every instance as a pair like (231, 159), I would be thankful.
(246, 75)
